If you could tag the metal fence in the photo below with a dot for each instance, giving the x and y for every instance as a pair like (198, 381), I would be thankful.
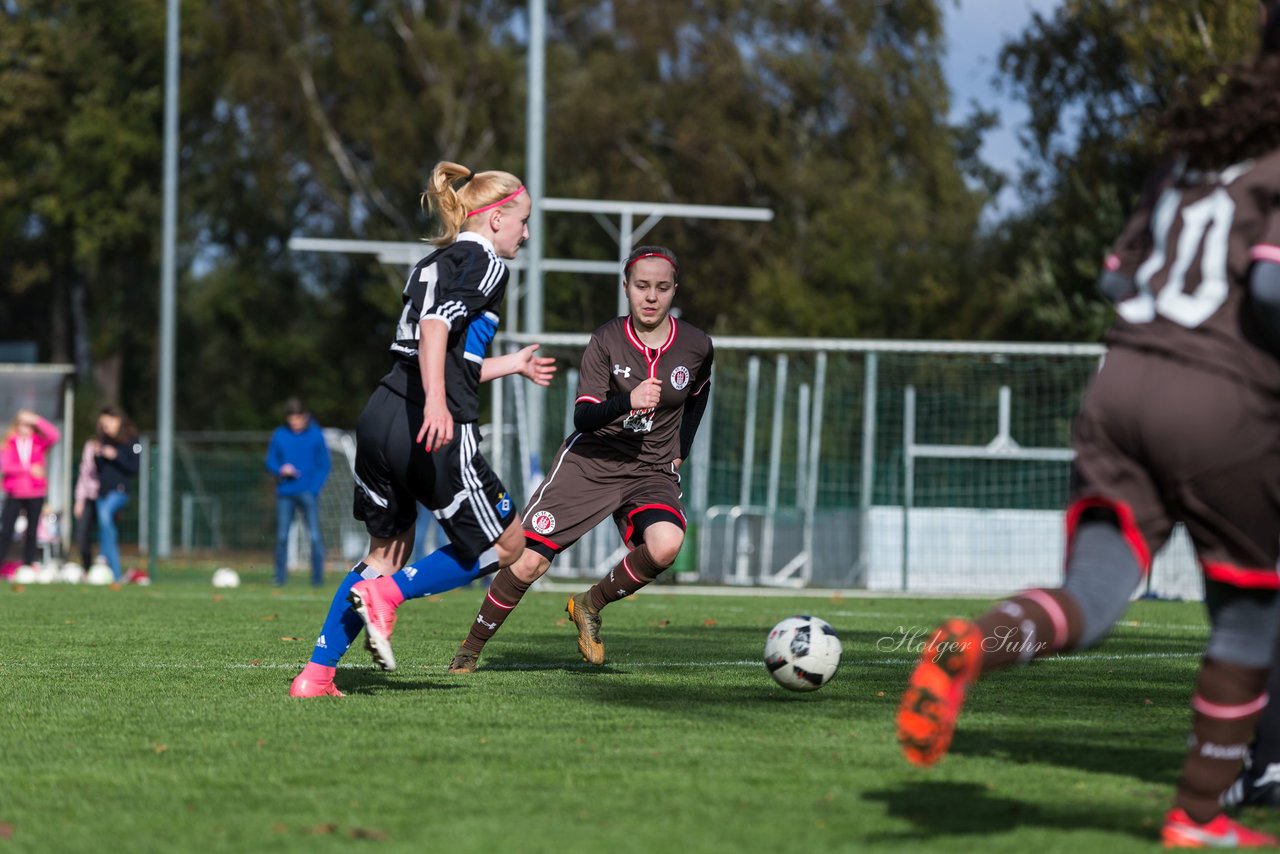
(905, 466)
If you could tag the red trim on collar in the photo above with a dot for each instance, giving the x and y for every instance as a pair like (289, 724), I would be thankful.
(644, 349)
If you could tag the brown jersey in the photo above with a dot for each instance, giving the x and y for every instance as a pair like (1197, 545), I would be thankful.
(1188, 250)
(615, 362)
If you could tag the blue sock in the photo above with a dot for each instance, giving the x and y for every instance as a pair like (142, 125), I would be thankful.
(442, 570)
(342, 625)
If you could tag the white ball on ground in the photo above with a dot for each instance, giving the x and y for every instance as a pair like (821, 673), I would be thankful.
(802, 653)
(46, 573)
(226, 577)
(71, 573)
(24, 574)
(100, 574)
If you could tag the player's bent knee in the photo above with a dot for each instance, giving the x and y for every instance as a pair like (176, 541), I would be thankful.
(664, 541)
(530, 566)
(511, 544)
(1242, 624)
(388, 554)
(1102, 574)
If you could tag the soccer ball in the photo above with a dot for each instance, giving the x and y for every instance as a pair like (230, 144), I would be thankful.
(226, 577)
(100, 574)
(802, 653)
(71, 573)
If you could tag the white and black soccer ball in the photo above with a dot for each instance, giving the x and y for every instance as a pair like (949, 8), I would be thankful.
(802, 653)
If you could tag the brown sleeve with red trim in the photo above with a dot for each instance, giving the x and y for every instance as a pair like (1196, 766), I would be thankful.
(593, 373)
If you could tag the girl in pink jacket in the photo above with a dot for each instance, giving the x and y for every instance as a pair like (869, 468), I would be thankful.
(26, 481)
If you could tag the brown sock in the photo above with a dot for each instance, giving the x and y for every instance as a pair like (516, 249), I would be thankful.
(1031, 624)
(634, 571)
(1228, 700)
(504, 595)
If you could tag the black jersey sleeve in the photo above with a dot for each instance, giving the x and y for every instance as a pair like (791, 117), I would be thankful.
(589, 417)
(694, 407)
(464, 288)
(696, 403)
(1264, 293)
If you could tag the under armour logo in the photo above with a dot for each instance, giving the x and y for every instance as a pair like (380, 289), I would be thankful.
(626, 372)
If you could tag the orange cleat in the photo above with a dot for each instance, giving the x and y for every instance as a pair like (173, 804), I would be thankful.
(935, 693)
(315, 680)
(376, 605)
(1182, 831)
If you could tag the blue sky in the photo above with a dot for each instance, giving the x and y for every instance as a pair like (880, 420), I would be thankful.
(975, 31)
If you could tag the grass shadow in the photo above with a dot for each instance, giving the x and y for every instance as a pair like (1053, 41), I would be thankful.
(1150, 764)
(936, 808)
(530, 660)
(371, 683)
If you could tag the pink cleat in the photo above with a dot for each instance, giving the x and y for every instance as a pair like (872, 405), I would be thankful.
(1182, 831)
(376, 600)
(315, 680)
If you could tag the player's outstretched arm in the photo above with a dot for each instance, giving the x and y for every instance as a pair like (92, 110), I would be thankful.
(537, 369)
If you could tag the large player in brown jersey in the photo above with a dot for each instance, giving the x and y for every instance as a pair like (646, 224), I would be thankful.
(1178, 425)
(644, 384)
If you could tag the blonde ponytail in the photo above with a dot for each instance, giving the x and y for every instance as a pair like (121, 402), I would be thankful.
(452, 205)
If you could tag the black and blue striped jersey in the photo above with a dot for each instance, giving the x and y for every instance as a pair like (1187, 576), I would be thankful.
(461, 285)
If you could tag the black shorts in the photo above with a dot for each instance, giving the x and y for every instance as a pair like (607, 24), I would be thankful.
(393, 473)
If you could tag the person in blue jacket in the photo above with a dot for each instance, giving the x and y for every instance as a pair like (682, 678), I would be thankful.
(299, 460)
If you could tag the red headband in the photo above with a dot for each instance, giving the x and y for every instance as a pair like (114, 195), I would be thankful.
(630, 263)
(499, 203)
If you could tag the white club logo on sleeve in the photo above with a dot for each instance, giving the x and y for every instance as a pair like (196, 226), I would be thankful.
(680, 377)
(543, 522)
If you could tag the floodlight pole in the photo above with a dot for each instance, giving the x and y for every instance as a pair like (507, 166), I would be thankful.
(535, 183)
(164, 406)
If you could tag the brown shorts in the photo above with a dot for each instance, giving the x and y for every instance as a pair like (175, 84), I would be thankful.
(580, 491)
(1159, 442)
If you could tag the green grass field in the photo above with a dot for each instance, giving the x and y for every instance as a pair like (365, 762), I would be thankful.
(157, 719)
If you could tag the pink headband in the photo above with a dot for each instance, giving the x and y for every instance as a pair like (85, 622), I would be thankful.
(499, 203)
(648, 255)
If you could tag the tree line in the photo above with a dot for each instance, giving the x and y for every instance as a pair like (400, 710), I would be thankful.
(323, 117)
